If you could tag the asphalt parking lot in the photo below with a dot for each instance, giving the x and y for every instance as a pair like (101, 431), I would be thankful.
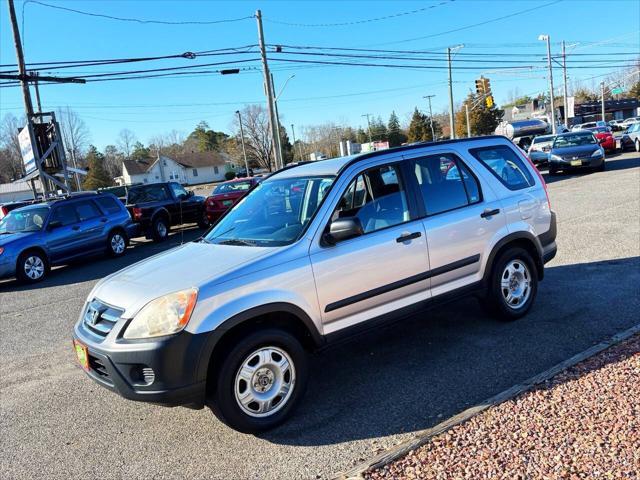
(363, 396)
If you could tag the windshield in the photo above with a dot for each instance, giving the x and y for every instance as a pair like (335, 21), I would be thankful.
(543, 139)
(600, 130)
(29, 220)
(574, 140)
(232, 187)
(275, 213)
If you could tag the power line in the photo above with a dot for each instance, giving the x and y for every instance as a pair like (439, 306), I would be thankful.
(140, 20)
(491, 20)
(357, 22)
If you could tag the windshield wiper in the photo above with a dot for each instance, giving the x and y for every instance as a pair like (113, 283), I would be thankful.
(237, 241)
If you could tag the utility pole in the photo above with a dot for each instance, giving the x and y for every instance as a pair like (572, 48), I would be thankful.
(278, 137)
(564, 78)
(35, 84)
(368, 127)
(268, 88)
(602, 93)
(452, 122)
(553, 107)
(466, 108)
(433, 133)
(244, 152)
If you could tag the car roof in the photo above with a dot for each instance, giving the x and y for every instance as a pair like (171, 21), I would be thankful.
(334, 166)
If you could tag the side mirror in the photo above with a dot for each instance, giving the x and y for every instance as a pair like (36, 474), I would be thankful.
(343, 229)
(54, 224)
(190, 194)
(601, 140)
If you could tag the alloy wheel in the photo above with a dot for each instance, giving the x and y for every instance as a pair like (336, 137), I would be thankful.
(118, 244)
(34, 267)
(515, 284)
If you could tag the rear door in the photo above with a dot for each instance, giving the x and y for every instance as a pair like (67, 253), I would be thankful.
(92, 225)
(382, 270)
(459, 217)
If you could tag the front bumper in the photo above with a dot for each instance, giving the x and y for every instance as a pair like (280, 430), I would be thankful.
(7, 266)
(170, 370)
(591, 162)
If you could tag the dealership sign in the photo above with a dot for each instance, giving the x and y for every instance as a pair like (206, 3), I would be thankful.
(26, 149)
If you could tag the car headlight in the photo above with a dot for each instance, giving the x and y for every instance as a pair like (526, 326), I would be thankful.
(1, 250)
(555, 157)
(597, 153)
(163, 316)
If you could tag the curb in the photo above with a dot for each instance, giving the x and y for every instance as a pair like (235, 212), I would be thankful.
(424, 436)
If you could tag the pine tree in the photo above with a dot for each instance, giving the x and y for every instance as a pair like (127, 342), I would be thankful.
(395, 134)
(419, 128)
(97, 176)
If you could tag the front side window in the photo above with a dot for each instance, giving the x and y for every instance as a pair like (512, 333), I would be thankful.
(273, 214)
(30, 220)
(178, 190)
(232, 187)
(446, 183)
(377, 198)
(505, 165)
(65, 214)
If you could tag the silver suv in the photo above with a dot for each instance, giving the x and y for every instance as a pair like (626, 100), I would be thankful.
(312, 254)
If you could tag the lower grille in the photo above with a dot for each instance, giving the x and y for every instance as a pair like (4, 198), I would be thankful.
(98, 367)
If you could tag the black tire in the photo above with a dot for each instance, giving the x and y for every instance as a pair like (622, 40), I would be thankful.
(553, 170)
(160, 228)
(223, 399)
(117, 243)
(494, 301)
(204, 221)
(637, 145)
(26, 263)
(602, 167)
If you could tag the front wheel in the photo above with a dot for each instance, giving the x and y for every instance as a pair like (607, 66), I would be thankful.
(553, 170)
(637, 145)
(513, 285)
(260, 382)
(204, 221)
(32, 267)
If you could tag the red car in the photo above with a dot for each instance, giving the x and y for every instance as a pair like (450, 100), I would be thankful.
(605, 137)
(227, 194)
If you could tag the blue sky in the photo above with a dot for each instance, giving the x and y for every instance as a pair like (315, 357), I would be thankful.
(317, 93)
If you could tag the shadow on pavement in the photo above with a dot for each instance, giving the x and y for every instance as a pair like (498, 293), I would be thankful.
(612, 163)
(433, 365)
(99, 266)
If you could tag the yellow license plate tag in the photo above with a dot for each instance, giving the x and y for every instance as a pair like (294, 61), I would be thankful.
(576, 163)
(82, 354)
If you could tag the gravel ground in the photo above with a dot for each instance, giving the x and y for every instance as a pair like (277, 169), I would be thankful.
(583, 423)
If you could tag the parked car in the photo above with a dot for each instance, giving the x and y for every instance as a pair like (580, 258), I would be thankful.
(243, 173)
(5, 208)
(539, 150)
(312, 254)
(227, 194)
(630, 121)
(605, 138)
(156, 207)
(633, 135)
(583, 126)
(53, 232)
(616, 125)
(576, 150)
(119, 191)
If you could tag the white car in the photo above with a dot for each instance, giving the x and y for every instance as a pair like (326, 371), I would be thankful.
(583, 126)
(630, 121)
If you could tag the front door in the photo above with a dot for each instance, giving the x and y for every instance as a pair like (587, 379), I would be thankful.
(380, 271)
(63, 232)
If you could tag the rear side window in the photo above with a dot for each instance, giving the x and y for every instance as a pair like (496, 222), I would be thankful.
(108, 204)
(446, 183)
(505, 165)
(87, 210)
(65, 214)
(152, 193)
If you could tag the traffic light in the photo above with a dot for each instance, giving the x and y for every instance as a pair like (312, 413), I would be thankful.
(489, 101)
(480, 86)
(486, 84)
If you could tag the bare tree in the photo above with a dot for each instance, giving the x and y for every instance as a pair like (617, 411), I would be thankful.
(11, 163)
(257, 137)
(75, 137)
(126, 141)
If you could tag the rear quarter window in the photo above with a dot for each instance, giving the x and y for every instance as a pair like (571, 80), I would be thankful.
(108, 204)
(506, 165)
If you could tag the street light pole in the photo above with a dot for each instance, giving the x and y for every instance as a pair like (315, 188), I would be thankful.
(293, 134)
(433, 132)
(553, 108)
(466, 108)
(368, 127)
(244, 152)
(602, 93)
(275, 103)
(564, 78)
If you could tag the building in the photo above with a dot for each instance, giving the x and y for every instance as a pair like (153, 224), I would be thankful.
(18, 190)
(613, 110)
(190, 169)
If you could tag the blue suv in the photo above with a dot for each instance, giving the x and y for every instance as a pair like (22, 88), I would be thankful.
(34, 238)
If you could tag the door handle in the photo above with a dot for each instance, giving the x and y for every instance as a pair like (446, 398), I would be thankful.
(490, 213)
(408, 236)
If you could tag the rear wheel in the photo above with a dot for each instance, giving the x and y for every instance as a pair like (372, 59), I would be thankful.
(553, 170)
(637, 145)
(260, 381)
(160, 229)
(513, 285)
(32, 266)
(116, 243)
(204, 221)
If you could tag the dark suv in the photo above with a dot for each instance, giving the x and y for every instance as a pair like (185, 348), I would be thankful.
(35, 237)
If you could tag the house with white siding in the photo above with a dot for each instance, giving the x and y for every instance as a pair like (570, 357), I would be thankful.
(189, 169)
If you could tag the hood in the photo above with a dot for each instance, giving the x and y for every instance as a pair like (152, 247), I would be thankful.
(190, 265)
(580, 151)
(6, 239)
